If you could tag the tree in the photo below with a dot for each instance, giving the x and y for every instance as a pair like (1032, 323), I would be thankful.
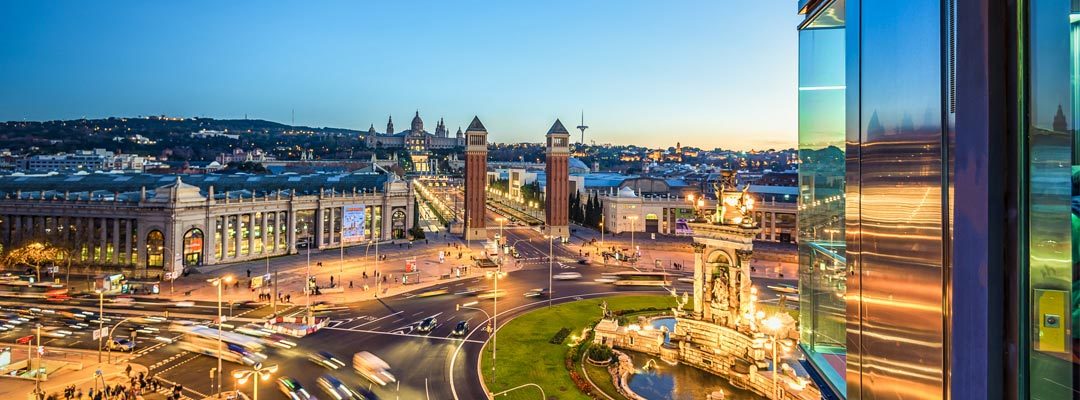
(36, 255)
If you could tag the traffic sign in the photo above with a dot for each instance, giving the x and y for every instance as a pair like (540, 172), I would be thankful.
(25, 339)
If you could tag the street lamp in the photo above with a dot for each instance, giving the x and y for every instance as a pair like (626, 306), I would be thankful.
(260, 373)
(551, 266)
(501, 240)
(499, 274)
(101, 321)
(172, 276)
(772, 327)
(219, 282)
(633, 224)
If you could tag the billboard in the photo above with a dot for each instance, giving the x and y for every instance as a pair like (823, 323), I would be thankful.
(352, 223)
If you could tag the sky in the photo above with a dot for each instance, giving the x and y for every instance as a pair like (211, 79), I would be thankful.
(710, 73)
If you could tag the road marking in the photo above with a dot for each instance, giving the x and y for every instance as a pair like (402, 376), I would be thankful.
(377, 319)
(403, 334)
(417, 313)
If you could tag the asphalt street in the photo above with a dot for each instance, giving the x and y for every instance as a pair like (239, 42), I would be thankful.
(427, 365)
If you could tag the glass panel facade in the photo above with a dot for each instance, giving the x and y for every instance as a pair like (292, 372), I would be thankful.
(1053, 210)
(822, 273)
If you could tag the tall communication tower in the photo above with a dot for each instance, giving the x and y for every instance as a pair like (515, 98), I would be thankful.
(582, 127)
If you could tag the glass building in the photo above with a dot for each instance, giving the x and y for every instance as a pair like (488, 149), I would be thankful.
(940, 197)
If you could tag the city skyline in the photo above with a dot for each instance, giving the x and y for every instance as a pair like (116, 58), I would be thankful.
(515, 66)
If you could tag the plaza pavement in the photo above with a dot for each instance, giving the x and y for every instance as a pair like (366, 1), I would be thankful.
(291, 270)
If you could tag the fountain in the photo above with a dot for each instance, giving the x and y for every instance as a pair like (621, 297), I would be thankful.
(725, 338)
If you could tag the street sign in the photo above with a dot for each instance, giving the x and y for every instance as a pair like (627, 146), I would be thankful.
(25, 339)
(100, 333)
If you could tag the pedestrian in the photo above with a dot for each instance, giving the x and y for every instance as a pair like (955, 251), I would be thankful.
(331, 281)
(249, 272)
(350, 284)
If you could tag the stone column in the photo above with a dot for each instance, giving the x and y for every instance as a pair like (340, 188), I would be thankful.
(103, 241)
(236, 237)
(116, 240)
(251, 234)
(743, 281)
(332, 237)
(699, 279)
(262, 232)
(290, 245)
(140, 249)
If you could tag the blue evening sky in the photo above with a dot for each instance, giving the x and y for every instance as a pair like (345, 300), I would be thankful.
(706, 73)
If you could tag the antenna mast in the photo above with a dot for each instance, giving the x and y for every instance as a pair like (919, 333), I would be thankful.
(582, 127)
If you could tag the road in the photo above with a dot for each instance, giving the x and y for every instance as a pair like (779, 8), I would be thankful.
(430, 365)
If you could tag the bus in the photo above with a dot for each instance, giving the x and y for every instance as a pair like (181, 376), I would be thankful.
(237, 348)
(25, 289)
(635, 278)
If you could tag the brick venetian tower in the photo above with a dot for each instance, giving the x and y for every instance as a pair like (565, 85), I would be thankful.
(557, 200)
(475, 180)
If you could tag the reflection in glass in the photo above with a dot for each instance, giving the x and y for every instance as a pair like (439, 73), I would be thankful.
(821, 192)
(1053, 202)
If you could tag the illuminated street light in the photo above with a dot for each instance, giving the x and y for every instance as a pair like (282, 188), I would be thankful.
(219, 282)
(259, 372)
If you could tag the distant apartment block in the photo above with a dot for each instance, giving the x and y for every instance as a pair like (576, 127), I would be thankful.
(90, 160)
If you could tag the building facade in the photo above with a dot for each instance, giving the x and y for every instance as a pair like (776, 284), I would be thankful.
(626, 211)
(83, 160)
(161, 223)
(939, 137)
(415, 138)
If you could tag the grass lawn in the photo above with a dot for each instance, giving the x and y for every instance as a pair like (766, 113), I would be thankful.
(526, 356)
(602, 379)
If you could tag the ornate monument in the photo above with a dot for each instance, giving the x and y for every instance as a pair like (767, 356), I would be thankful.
(725, 334)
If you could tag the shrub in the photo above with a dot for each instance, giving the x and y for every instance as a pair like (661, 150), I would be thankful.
(601, 353)
(560, 336)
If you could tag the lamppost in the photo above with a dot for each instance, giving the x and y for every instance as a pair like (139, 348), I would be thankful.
(633, 225)
(772, 326)
(501, 240)
(499, 274)
(172, 276)
(259, 372)
(219, 282)
(101, 321)
(551, 267)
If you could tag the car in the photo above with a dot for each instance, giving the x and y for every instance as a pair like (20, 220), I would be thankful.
(583, 261)
(461, 329)
(373, 368)
(566, 276)
(337, 389)
(185, 304)
(538, 292)
(122, 344)
(427, 324)
(326, 359)
(291, 388)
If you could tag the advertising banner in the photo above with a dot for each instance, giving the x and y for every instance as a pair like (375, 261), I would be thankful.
(352, 223)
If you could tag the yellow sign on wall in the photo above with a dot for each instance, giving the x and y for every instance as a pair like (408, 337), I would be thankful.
(1051, 318)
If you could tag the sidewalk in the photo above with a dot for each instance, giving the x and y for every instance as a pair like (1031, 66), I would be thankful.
(349, 282)
(67, 367)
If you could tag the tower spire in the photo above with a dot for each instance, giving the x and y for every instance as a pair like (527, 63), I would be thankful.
(582, 127)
